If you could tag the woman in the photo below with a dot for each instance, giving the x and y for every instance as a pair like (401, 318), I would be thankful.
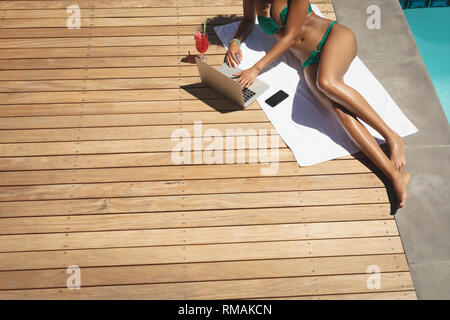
(325, 50)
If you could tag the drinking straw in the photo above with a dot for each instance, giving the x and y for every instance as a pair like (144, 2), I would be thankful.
(204, 27)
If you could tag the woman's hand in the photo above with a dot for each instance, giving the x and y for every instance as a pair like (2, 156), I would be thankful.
(234, 55)
(247, 77)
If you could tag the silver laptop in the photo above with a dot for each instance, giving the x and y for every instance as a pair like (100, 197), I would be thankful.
(223, 81)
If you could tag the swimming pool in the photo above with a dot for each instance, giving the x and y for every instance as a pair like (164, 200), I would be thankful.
(431, 29)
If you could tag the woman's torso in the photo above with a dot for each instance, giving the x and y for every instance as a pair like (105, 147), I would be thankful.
(312, 31)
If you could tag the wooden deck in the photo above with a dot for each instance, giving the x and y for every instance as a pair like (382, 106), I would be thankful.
(86, 118)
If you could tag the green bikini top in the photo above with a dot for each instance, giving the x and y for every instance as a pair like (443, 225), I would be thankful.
(270, 26)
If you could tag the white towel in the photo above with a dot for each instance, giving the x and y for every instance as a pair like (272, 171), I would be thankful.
(311, 132)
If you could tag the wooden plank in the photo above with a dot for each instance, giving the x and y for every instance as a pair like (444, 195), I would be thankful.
(185, 219)
(113, 12)
(141, 145)
(98, 84)
(232, 289)
(194, 202)
(200, 253)
(99, 73)
(125, 12)
(180, 71)
(256, 130)
(125, 41)
(231, 270)
(220, 105)
(393, 295)
(56, 4)
(63, 4)
(191, 236)
(114, 160)
(204, 3)
(140, 51)
(96, 22)
(174, 187)
(103, 31)
(238, 139)
(156, 131)
(108, 96)
(179, 118)
(177, 172)
(113, 62)
(241, 142)
(89, 21)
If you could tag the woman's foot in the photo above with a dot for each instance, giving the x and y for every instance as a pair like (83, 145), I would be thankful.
(397, 151)
(400, 181)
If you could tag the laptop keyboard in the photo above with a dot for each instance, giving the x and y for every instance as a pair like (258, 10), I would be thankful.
(247, 93)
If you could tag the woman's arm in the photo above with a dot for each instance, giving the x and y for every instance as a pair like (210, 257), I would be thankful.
(245, 26)
(247, 23)
(298, 10)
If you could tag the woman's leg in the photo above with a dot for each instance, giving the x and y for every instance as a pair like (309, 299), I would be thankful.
(360, 135)
(338, 52)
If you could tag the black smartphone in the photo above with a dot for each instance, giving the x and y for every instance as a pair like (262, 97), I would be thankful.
(277, 98)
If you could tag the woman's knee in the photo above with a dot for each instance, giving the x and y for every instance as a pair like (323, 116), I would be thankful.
(327, 84)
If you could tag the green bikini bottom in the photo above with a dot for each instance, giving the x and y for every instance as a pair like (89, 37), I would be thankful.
(315, 55)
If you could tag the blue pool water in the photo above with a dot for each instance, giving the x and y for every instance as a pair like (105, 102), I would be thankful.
(431, 29)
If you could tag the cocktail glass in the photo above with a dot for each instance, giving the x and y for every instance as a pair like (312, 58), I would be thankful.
(201, 43)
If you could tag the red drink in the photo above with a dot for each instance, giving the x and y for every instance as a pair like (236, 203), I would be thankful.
(201, 42)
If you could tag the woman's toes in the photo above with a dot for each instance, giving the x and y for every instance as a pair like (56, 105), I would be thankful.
(400, 182)
(400, 165)
(397, 151)
(406, 178)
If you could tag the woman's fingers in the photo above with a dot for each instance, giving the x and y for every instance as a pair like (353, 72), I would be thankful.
(247, 83)
(244, 82)
(243, 79)
(235, 59)
(230, 55)
(229, 60)
(240, 78)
